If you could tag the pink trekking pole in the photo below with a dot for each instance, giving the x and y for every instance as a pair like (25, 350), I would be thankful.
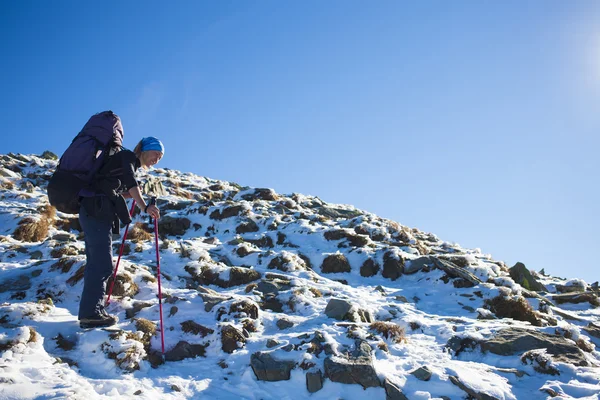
(162, 327)
(119, 259)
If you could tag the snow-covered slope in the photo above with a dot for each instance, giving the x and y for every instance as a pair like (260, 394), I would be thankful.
(270, 296)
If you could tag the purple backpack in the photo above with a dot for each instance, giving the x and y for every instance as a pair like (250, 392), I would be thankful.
(79, 164)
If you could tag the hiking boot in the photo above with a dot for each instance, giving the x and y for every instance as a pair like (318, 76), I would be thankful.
(98, 321)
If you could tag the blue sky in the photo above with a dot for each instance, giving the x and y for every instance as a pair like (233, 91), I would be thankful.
(475, 120)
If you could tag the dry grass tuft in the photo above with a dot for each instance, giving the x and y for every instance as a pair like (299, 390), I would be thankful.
(585, 345)
(316, 292)
(513, 307)
(389, 330)
(146, 326)
(138, 233)
(32, 230)
(47, 211)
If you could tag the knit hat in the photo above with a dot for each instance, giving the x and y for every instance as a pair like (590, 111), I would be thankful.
(152, 143)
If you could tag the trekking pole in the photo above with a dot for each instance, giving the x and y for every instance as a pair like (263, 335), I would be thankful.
(162, 327)
(112, 284)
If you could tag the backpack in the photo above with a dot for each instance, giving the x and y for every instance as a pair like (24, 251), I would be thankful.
(79, 164)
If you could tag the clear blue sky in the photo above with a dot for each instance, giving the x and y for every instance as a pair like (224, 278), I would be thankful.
(475, 120)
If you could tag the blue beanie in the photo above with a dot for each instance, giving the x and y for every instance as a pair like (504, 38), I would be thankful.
(152, 143)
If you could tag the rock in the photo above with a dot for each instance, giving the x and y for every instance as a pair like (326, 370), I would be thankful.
(576, 298)
(260, 194)
(137, 307)
(365, 316)
(472, 393)
(393, 392)
(272, 343)
(284, 324)
(246, 227)
(393, 267)
(36, 255)
(518, 340)
(183, 350)
(195, 328)
(64, 237)
(20, 283)
(541, 362)
(245, 306)
(422, 373)
(454, 271)
(266, 368)
(593, 330)
(272, 287)
(231, 339)
(369, 268)
(173, 226)
(418, 264)
(338, 309)
(520, 274)
(314, 381)
(335, 263)
(356, 368)
(271, 302)
(227, 212)
(210, 297)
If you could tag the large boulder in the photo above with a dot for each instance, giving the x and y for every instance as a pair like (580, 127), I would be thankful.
(518, 340)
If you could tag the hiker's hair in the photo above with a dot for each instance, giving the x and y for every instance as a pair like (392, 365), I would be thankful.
(138, 150)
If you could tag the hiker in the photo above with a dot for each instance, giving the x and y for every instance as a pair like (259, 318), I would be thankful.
(97, 217)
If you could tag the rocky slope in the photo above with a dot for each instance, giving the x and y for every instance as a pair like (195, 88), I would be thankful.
(279, 296)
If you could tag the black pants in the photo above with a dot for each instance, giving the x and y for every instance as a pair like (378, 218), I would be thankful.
(96, 217)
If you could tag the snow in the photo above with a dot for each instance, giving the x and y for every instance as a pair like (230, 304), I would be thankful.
(114, 363)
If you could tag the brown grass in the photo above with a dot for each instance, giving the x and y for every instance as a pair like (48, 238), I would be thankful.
(316, 292)
(389, 330)
(585, 345)
(32, 230)
(8, 185)
(513, 307)
(138, 233)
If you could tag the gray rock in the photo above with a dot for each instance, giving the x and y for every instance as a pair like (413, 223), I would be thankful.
(593, 330)
(185, 350)
(393, 392)
(64, 237)
(454, 271)
(210, 297)
(417, 264)
(472, 393)
(266, 368)
(422, 373)
(231, 339)
(22, 282)
(284, 324)
(518, 340)
(314, 381)
(272, 343)
(356, 368)
(338, 309)
(365, 316)
(36, 255)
